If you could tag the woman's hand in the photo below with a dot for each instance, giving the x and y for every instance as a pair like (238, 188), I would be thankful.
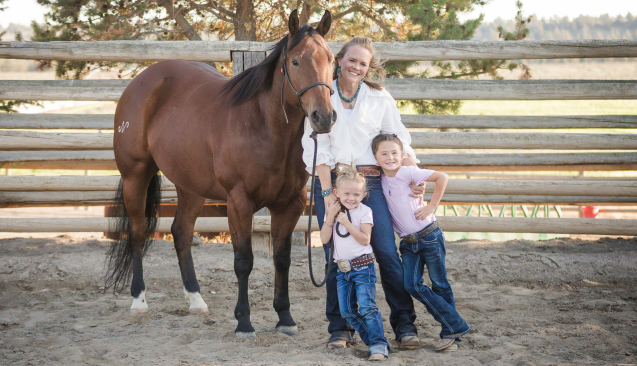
(333, 209)
(423, 212)
(331, 200)
(418, 191)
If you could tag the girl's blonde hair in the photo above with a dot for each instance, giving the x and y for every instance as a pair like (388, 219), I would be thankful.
(376, 69)
(349, 174)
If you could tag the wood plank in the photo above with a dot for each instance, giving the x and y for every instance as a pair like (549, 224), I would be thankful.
(511, 122)
(105, 121)
(27, 140)
(417, 89)
(528, 140)
(56, 121)
(237, 63)
(535, 199)
(84, 160)
(566, 160)
(552, 187)
(448, 223)
(140, 51)
(409, 89)
(74, 198)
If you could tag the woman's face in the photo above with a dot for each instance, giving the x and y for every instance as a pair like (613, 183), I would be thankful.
(354, 64)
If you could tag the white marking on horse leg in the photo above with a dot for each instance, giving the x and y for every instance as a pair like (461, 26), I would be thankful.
(197, 305)
(139, 304)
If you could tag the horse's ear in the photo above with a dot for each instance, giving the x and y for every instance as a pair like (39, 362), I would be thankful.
(324, 25)
(293, 23)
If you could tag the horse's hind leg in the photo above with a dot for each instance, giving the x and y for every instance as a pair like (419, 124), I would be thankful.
(189, 207)
(283, 222)
(135, 193)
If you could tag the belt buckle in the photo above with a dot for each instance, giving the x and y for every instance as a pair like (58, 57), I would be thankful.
(411, 238)
(344, 265)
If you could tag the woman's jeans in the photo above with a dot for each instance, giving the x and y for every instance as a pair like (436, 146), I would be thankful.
(357, 301)
(430, 251)
(402, 314)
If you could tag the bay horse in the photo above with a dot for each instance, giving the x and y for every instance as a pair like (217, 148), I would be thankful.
(222, 139)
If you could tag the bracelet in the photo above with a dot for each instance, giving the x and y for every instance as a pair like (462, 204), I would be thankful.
(326, 192)
(329, 224)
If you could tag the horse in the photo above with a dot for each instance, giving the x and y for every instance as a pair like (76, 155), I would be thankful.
(235, 139)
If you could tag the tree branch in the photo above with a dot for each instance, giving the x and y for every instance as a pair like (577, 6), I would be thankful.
(214, 12)
(222, 10)
(189, 31)
(379, 23)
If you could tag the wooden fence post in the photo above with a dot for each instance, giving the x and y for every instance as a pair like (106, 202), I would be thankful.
(241, 61)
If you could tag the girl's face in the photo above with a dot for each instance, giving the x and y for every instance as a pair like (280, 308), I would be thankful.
(354, 64)
(389, 155)
(350, 193)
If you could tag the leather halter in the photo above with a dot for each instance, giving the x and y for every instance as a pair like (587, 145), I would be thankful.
(286, 75)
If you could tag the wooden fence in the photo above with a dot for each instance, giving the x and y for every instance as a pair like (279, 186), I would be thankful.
(41, 149)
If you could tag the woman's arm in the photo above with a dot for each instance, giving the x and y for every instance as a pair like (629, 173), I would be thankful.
(440, 180)
(325, 176)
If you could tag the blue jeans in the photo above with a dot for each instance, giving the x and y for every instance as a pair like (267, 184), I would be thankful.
(357, 302)
(402, 314)
(430, 251)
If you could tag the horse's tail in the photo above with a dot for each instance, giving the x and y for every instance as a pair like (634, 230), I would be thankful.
(120, 255)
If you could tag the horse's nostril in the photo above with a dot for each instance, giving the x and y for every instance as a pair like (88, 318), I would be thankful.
(315, 117)
(334, 116)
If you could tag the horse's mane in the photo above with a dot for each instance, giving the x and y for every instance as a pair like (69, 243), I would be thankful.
(258, 78)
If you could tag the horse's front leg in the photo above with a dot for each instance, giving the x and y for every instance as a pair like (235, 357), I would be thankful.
(284, 220)
(240, 211)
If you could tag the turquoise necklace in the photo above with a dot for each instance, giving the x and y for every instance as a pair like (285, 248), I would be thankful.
(340, 94)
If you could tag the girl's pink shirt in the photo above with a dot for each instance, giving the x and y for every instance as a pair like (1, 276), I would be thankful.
(348, 248)
(401, 205)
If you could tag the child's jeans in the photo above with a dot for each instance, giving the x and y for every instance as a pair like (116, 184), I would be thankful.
(357, 301)
(430, 251)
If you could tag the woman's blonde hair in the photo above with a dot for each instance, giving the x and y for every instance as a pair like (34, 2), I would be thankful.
(347, 173)
(376, 70)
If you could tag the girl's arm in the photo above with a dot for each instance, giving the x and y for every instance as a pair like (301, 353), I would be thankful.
(362, 236)
(440, 179)
(326, 230)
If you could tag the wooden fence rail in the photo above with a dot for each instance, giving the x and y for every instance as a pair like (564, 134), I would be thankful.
(403, 89)
(262, 225)
(105, 121)
(26, 140)
(143, 51)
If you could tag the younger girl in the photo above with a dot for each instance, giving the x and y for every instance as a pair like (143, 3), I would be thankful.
(422, 242)
(356, 276)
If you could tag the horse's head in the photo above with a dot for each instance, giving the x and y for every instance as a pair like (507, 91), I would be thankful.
(308, 63)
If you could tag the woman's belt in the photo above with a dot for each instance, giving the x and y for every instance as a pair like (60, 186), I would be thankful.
(413, 238)
(365, 170)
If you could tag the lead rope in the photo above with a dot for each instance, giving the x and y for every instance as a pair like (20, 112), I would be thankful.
(309, 225)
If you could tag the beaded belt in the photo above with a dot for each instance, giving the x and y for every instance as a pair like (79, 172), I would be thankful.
(413, 238)
(345, 266)
(366, 170)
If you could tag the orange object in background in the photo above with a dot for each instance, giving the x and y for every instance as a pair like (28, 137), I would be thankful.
(590, 212)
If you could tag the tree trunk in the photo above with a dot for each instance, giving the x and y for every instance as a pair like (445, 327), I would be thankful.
(244, 25)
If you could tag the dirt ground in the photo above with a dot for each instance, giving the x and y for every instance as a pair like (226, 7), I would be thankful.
(557, 302)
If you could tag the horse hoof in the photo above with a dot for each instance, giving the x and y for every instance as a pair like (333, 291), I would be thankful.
(140, 306)
(287, 329)
(243, 335)
(198, 310)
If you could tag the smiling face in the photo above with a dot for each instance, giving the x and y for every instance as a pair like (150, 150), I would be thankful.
(350, 193)
(354, 64)
(389, 156)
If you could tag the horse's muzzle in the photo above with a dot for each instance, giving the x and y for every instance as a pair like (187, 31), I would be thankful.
(322, 121)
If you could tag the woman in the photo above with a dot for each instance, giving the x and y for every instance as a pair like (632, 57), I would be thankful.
(364, 109)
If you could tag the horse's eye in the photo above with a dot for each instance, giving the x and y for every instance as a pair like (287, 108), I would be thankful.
(295, 63)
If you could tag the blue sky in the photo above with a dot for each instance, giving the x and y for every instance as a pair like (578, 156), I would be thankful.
(24, 11)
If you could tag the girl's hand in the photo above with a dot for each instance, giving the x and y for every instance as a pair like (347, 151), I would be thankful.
(342, 218)
(423, 212)
(333, 209)
(418, 191)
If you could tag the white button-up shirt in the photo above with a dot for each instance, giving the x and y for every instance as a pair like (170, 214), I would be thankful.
(350, 140)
